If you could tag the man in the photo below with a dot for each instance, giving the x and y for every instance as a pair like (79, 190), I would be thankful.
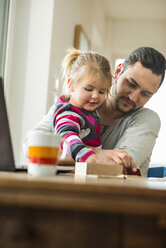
(129, 130)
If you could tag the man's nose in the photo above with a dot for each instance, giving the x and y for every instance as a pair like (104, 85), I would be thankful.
(134, 95)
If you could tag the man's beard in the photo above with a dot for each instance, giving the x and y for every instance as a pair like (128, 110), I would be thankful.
(117, 105)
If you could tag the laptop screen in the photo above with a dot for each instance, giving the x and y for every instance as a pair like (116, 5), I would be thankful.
(6, 151)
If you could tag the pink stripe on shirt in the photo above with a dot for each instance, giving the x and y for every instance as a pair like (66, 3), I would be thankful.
(94, 143)
(90, 119)
(86, 156)
(70, 117)
(74, 141)
(77, 110)
(57, 126)
(69, 134)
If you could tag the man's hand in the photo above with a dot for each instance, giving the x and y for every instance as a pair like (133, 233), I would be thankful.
(117, 156)
(92, 159)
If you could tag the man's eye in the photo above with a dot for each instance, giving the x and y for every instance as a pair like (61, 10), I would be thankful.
(131, 85)
(144, 94)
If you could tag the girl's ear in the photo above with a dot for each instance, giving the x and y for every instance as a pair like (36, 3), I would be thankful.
(118, 70)
(70, 86)
(69, 82)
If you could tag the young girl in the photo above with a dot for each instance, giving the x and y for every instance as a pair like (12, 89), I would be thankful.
(87, 82)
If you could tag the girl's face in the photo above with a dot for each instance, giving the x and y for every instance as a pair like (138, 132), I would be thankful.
(89, 95)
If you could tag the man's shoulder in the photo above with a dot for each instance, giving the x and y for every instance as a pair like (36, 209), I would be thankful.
(145, 113)
(145, 117)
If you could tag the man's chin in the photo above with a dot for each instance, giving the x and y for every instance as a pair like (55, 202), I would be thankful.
(122, 109)
(127, 112)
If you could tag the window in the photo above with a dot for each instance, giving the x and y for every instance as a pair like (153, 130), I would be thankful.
(157, 103)
(4, 12)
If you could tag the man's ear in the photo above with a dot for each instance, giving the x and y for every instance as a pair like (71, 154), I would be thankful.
(118, 70)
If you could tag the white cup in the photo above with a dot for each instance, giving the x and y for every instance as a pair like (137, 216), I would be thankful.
(44, 151)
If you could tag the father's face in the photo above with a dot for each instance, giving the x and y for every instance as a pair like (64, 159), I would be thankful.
(134, 87)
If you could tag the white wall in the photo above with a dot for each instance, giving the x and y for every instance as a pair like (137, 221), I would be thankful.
(67, 14)
(128, 35)
(40, 32)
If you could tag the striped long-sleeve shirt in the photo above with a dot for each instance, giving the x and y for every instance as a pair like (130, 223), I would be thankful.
(79, 127)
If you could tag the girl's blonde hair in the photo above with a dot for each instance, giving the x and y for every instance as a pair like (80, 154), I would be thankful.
(82, 66)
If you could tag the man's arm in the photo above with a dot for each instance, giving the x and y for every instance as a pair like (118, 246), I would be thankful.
(136, 135)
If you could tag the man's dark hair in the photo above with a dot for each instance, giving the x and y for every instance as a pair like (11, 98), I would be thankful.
(149, 58)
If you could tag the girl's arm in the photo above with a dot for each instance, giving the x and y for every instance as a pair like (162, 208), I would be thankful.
(68, 125)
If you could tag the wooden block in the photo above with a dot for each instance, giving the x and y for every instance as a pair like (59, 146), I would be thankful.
(80, 168)
(105, 169)
(98, 169)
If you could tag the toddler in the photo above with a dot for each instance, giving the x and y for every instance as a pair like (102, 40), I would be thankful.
(87, 82)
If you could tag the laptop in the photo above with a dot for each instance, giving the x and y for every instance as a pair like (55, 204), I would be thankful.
(7, 162)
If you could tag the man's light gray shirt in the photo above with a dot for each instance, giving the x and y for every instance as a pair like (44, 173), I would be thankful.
(136, 133)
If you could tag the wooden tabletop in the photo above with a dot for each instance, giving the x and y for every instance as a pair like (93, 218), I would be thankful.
(108, 194)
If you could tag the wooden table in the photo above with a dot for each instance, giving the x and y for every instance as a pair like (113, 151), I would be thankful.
(64, 211)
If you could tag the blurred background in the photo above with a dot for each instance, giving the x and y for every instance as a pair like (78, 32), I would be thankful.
(34, 35)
